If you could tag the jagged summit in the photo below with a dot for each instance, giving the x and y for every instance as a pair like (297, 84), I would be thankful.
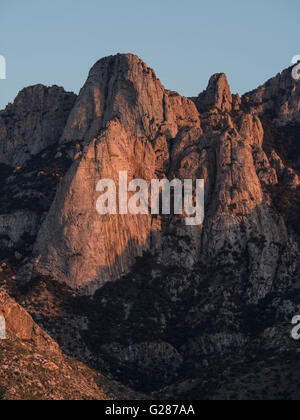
(123, 60)
(279, 97)
(33, 122)
(34, 95)
(117, 86)
(123, 87)
(217, 95)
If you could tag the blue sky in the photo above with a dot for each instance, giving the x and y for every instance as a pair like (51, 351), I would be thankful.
(57, 41)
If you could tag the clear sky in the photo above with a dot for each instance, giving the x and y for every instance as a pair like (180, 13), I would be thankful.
(57, 41)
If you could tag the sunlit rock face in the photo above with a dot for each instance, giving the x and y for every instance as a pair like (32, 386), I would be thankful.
(123, 87)
(217, 95)
(125, 120)
(76, 244)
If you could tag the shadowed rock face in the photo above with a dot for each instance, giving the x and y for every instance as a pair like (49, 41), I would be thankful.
(33, 122)
(169, 300)
(30, 163)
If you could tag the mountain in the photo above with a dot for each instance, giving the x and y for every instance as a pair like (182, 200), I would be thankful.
(161, 307)
(33, 367)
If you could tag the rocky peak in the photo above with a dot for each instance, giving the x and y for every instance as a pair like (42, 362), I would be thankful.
(217, 95)
(34, 121)
(123, 87)
(279, 97)
(126, 121)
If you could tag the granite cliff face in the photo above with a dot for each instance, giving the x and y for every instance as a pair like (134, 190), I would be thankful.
(33, 122)
(162, 302)
(123, 120)
(30, 165)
